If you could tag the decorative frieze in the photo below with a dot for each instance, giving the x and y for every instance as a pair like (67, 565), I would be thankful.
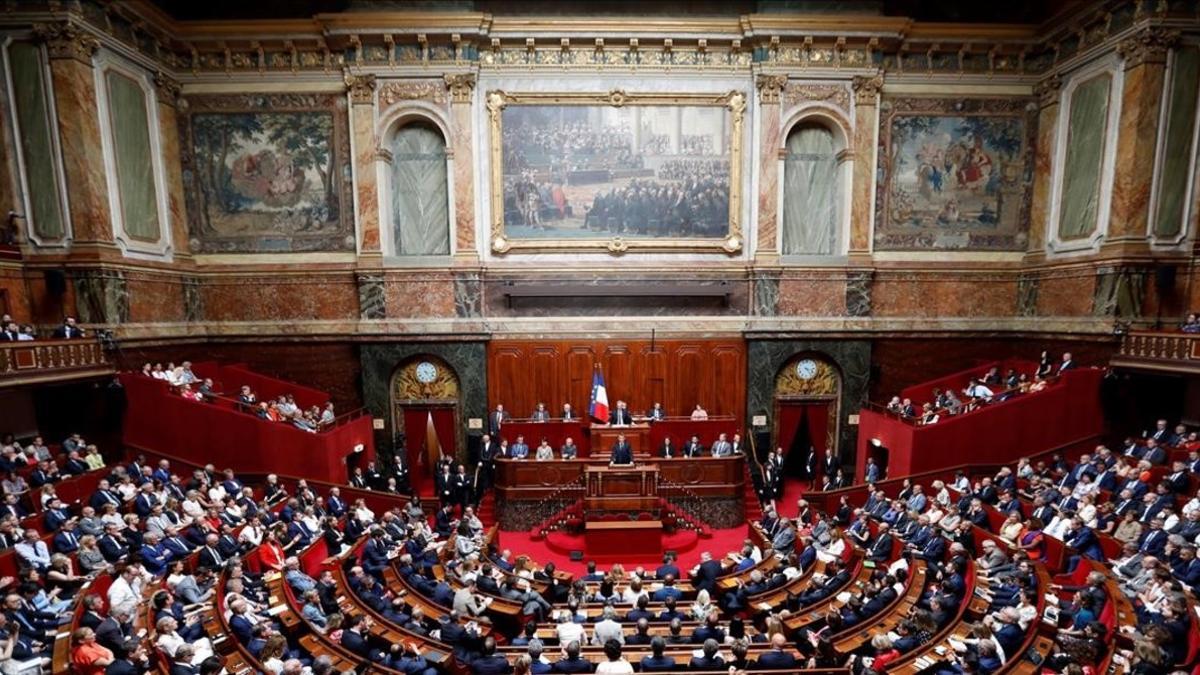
(834, 94)
(393, 92)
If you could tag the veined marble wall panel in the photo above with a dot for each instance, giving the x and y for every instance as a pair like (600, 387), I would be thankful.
(603, 83)
(1066, 292)
(281, 297)
(16, 296)
(812, 294)
(425, 295)
(155, 298)
(933, 293)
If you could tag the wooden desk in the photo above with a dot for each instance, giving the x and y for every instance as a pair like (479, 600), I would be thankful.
(603, 437)
(623, 537)
(524, 486)
(621, 488)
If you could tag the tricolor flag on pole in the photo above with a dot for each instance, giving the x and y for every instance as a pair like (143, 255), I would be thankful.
(599, 405)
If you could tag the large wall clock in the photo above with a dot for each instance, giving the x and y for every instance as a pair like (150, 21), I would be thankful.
(806, 369)
(426, 372)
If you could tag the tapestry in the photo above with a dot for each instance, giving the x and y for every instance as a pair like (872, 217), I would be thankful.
(267, 173)
(954, 174)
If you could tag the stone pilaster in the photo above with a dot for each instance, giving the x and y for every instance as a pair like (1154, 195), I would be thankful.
(462, 89)
(71, 48)
(366, 148)
(168, 91)
(1047, 92)
(1145, 58)
(866, 127)
(770, 88)
(101, 296)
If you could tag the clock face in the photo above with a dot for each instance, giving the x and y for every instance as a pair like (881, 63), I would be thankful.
(426, 372)
(806, 369)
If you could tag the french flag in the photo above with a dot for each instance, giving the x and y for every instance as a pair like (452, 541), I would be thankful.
(599, 405)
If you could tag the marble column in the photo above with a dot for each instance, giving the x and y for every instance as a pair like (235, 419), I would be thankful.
(168, 133)
(770, 89)
(366, 146)
(71, 48)
(866, 126)
(1047, 92)
(462, 89)
(1145, 57)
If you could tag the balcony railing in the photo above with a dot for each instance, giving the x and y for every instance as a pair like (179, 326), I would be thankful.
(51, 361)
(1170, 351)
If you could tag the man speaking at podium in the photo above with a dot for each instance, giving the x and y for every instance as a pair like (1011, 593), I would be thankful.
(621, 452)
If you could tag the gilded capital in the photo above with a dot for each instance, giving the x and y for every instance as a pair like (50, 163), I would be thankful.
(362, 88)
(67, 40)
(1047, 91)
(168, 89)
(770, 87)
(461, 85)
(1147, 46)
(866, 88)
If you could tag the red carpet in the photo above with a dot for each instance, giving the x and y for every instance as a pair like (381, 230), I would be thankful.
(542, 552)
(557, 546)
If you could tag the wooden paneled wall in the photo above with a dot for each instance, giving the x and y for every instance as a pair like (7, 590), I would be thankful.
(677, 373)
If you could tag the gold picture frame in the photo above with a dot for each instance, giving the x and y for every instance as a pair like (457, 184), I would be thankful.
(730, 244)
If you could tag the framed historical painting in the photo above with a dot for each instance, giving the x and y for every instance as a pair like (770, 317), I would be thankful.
(616, 171)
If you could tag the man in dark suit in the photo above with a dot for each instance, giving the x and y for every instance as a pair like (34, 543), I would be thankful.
(497, 420)
(777, 658)
(710, 660)
(489, 662)
(668, 568)
(1068, 363)
(656, 662)
(622, 453)
(693, 448)
(620, 415)
(1154, 453)
(69, 330)
(881, 548)
(668, 449)
(706, 573)
(709, 630)
(571, 663)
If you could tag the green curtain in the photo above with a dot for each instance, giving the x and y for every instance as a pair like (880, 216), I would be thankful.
(1177, 144)
(37, 148)
(1086, 129)
(811, 192)
(135, 167)
(420, 211)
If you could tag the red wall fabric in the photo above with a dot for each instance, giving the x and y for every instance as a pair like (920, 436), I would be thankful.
(158, 420)
(1066, 411)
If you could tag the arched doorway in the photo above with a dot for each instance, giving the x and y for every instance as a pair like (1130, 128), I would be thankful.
(807, 409)
(426, 413)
